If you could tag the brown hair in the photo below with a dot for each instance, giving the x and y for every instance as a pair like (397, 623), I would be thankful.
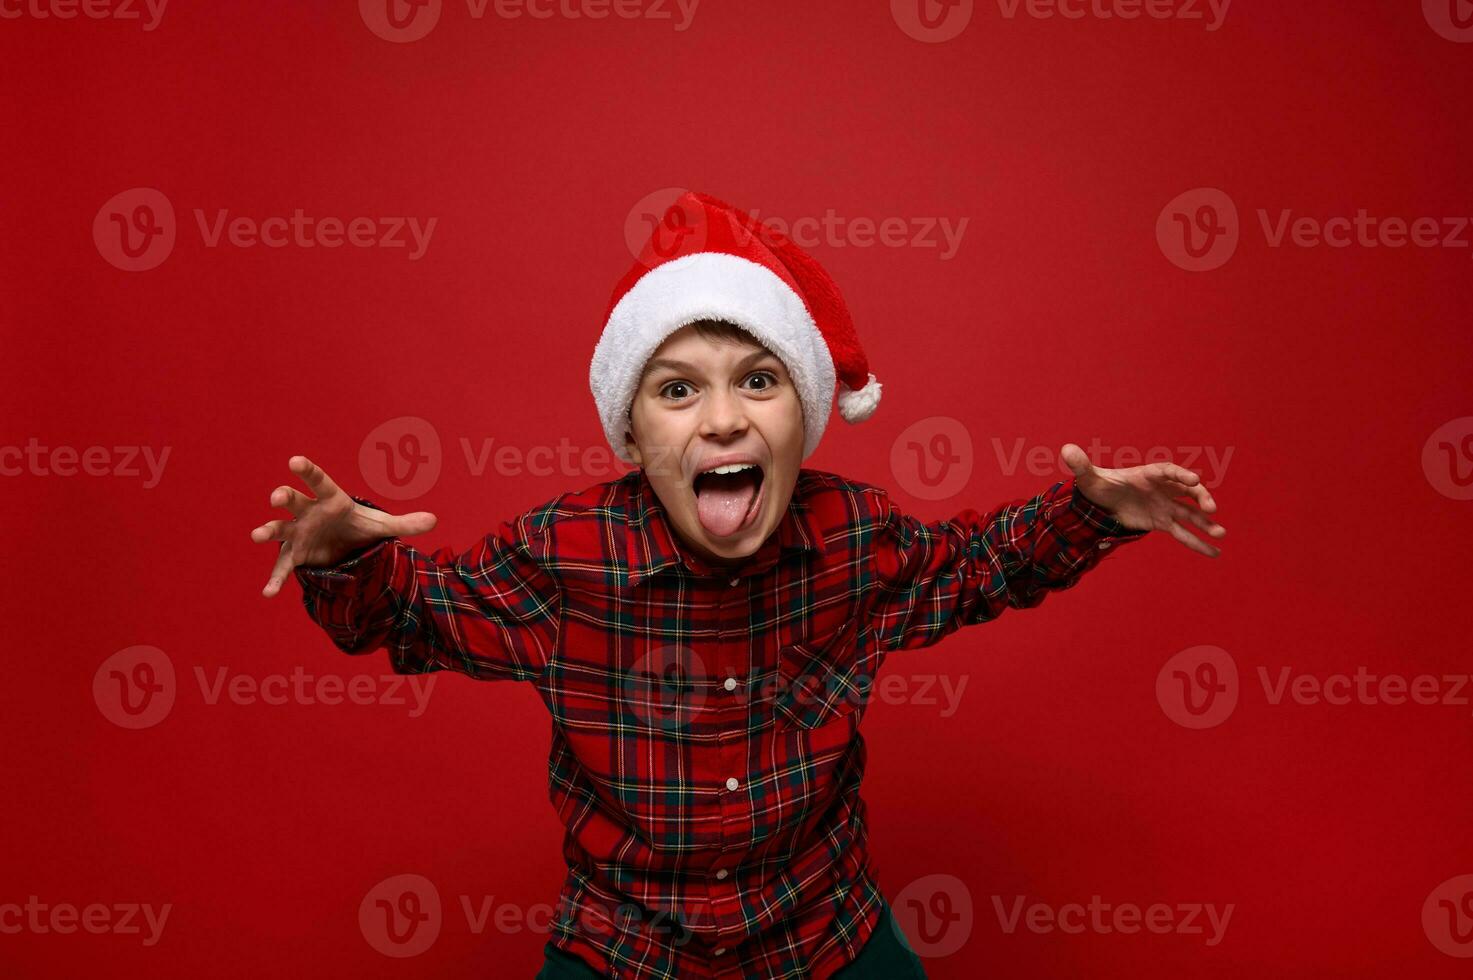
(725, 330)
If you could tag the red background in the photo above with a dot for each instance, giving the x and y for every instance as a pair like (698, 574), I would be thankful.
(1324, 371)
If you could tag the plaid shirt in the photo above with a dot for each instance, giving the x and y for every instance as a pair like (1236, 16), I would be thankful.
(706, 753)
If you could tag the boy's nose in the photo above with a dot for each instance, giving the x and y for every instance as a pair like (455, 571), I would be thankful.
(723, 415)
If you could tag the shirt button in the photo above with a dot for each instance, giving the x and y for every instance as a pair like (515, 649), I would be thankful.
(731, 782)
(734, 581)
(1104, 545)
(730, 684)
(718, 950)
(721, 875)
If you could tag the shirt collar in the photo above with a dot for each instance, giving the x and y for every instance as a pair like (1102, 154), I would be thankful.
(653, 545)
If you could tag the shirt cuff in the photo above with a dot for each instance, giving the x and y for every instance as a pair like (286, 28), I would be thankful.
(1092, 525)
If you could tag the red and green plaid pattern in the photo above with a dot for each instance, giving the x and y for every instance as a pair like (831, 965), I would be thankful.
(706, 753)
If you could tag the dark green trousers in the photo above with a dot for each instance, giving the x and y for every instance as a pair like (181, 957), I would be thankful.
(886, 956)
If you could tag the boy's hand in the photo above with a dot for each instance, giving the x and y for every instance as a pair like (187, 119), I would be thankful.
(1145, 498)
(325, 529)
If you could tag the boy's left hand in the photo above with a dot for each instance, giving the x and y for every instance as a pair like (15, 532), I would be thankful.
(1146, 498)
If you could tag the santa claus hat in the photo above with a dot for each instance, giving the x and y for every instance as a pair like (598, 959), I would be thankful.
(706, 260)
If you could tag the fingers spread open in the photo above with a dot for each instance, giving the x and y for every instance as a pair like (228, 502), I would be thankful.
(1192, 541)
(1190, 514)
(283, 567)
(314, 476)
(403, 525)
(270, 531)
(1197, 492)
(292, 500)
(1181, 474)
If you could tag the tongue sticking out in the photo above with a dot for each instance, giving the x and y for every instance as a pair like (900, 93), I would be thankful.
(723, 500)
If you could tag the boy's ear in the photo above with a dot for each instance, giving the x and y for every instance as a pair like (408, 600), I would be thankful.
(632, 448)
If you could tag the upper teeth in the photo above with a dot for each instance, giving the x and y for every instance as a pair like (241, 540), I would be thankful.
(732, 468)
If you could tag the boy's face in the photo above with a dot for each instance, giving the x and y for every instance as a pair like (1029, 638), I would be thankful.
(701, 401)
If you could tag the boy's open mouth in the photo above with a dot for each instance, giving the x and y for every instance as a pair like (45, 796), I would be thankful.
(728, 497)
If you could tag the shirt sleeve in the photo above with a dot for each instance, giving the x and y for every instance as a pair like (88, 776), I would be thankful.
(491, 612)
(931, 579)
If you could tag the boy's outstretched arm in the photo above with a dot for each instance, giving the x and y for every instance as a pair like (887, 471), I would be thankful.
(931, 579)
(491, 612)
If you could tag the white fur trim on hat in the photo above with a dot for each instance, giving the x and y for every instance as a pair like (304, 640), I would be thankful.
(856, 406)
(710, 286)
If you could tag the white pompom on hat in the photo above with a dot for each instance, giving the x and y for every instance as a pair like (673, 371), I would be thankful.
(707, 260)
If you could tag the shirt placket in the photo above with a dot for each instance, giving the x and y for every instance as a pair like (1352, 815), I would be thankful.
(733, 668)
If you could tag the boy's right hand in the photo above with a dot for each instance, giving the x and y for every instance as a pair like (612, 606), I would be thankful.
(324, 530)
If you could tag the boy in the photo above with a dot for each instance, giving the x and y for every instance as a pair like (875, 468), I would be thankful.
(706, 630)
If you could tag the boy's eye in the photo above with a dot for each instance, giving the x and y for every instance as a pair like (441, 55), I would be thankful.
(679, 390)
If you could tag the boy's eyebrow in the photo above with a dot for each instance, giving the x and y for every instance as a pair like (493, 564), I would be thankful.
(665, 362)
